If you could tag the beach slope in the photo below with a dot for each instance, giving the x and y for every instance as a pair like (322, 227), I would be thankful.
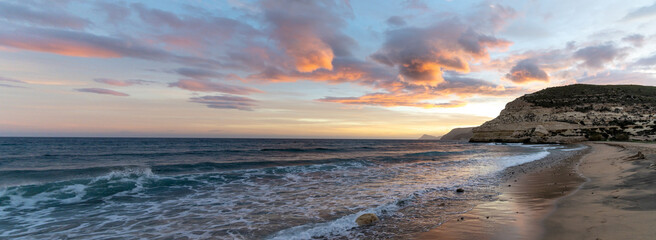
(618, 201)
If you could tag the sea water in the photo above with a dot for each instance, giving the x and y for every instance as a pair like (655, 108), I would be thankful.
(130, 188)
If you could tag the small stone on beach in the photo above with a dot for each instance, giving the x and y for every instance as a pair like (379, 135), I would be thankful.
(366, 219)
(460, 190)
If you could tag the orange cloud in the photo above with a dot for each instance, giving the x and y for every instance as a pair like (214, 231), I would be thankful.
(421, 96)
(394, 100)
(308, 32)
(423, 54)
(308, 53)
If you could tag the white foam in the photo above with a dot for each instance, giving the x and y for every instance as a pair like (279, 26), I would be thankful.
(338, 227)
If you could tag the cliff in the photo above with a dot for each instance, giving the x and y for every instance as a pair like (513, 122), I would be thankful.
(458, 134)
(575, 113)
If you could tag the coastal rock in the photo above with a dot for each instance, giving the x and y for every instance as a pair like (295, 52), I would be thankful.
(366, 219)
(428, 137)
(458, 134)
(575, 113)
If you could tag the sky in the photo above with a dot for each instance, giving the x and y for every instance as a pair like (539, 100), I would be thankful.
(302, 69)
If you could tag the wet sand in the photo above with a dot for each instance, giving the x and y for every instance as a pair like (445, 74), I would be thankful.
(605, 192)
(528, 196)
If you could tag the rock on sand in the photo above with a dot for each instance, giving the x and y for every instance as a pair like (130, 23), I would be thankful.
(366, 219)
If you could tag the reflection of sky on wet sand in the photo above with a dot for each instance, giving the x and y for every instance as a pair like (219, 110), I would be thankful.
(519, 211)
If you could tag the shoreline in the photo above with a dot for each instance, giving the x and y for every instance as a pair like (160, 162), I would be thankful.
(606, 191)
(529, 193)
(617, 202)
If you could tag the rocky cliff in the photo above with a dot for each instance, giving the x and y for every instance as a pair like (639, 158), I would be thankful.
(458, 134)
(575, 113)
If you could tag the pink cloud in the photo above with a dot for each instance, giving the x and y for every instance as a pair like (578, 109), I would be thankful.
(77, 44)
(102, 91)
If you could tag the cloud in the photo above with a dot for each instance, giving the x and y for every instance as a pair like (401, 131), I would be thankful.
(395, 21)
(424, 96)
(4, 79)
(10, 86)
(82, 44)
(636, 39)
(199, 32)
(597, 56)
(122, 83)
(43, 17)
(198, 73)
(527, 71)
(344, 70)
(491, 16)
(102, 91)
(647, 61)
(643, 12)
(78, 44)
(309, 31)
(467, 87)
(209, 86)
(114, 12)
(422, 54)
(226, 102)
(619, 77)
(415, 4)
(11, 80)
(392, 100)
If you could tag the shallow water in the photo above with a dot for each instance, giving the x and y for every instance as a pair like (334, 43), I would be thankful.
(97, 188)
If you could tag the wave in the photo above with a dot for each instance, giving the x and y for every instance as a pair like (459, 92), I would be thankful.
(145, 154)
(445, 153)
(53, 194)
(319, 149)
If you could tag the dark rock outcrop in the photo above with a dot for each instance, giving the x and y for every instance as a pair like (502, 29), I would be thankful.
(575, 113)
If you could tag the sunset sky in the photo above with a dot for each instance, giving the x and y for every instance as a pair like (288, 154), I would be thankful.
(307, 69)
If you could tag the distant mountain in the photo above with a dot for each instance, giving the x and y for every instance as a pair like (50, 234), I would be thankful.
(575, 113)
(428, 137)
(458, 134)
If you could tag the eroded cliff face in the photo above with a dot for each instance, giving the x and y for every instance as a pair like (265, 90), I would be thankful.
(575, 113)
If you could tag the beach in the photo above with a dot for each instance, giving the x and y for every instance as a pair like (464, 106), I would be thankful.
(618, 201)
(604, 192)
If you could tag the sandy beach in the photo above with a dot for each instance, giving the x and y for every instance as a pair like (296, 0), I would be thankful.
(605, 192)
(618, 201)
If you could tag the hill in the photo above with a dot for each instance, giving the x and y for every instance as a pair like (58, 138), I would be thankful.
(458, 134)
(575, 113)
(428, 137)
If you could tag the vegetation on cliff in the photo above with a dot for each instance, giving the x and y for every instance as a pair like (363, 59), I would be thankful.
(583, 94)
(576, 113)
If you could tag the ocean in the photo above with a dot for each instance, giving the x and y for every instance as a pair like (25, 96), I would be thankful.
(131, 188)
